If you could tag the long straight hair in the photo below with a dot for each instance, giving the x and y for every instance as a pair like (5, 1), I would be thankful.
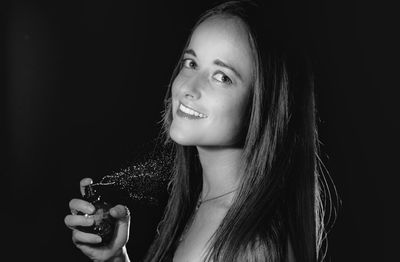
(279, 197)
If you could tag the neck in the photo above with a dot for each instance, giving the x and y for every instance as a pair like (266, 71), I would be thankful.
(221, 172)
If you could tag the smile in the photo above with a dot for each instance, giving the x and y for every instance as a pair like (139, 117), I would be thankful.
(187, 112)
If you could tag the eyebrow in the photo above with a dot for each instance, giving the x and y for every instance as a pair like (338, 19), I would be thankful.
(216, 62)
(220, 63)
(190, 52)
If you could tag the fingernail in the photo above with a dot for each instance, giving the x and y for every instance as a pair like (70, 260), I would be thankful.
(98, 239)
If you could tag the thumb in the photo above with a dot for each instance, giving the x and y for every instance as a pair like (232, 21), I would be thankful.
(121, 213)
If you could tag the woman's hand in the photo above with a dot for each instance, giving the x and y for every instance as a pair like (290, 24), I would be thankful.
(86, 242)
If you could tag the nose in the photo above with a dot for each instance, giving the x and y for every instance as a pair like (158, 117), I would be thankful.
(191, 88)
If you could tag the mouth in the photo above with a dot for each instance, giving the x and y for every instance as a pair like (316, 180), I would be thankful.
(189, 113)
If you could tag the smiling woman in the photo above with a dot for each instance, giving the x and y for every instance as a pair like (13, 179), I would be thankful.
(240, 116)
(214, 80)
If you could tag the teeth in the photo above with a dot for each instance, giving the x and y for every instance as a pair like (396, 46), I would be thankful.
(190, 111)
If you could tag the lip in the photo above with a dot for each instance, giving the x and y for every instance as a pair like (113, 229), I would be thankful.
(180, 113)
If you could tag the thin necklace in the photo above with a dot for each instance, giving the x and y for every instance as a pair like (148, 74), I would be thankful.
(200, 201)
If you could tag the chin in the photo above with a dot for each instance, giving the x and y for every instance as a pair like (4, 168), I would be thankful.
(193, 138)
(180, 138)
(183, 139)
(183, 142)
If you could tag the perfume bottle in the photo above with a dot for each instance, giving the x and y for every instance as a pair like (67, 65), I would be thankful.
(104, 223)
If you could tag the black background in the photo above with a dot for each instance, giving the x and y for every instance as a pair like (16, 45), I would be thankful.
(84, 85)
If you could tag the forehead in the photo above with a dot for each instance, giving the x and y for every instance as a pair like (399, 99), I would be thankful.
(224, 38)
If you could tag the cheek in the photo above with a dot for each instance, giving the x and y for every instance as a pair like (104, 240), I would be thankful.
(174, 89)
(229, 119)
(174, 93)
(234, 110)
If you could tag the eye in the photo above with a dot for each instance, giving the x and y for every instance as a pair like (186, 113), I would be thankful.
(189, 63)
(221, 77)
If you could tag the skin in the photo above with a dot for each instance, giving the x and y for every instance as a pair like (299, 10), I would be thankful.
(221, 94)
(210, 88)
(115, 251)
(203, 86)
(206, 85)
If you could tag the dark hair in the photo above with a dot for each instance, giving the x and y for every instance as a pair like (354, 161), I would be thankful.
(279, 198)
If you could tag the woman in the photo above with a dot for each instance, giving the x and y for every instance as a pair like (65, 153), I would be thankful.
(240, 114)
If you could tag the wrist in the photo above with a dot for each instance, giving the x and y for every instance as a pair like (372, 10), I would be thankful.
(120, 256)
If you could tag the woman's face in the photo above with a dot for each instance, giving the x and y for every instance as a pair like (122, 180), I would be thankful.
(211, 92)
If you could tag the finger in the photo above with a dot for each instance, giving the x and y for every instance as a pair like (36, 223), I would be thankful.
(80, 205)
(83, 183)
(79, 237)
(72, 221)
(120, 212)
